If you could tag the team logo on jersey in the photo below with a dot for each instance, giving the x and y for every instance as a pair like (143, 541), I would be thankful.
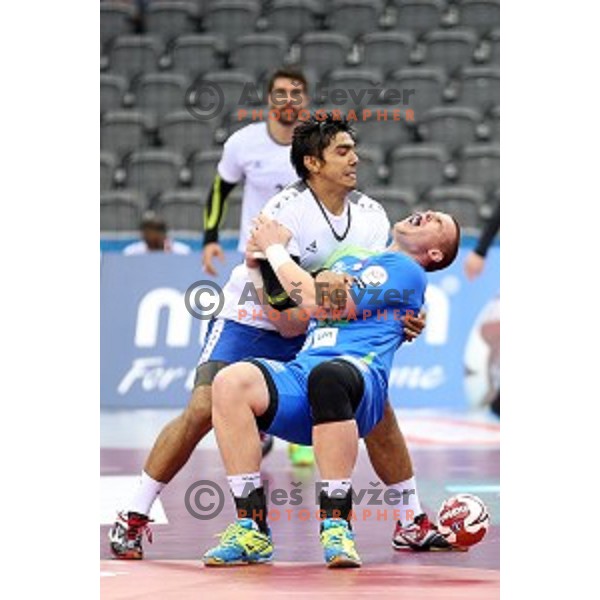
(374, 275)
(312, 247)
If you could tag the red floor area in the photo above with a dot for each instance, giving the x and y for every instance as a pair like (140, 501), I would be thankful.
(172, 568)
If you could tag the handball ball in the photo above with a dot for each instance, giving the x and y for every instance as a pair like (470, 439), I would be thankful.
(463, 520)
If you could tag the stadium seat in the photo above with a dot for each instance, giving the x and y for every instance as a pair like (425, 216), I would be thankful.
(123, 131)
(418, 16)
(167, 20)
(183, 210)
(115, 19)
(399, 203)
(369, 166)
(359, 86)
(427, 83)
(182, 132)
(454, 127)
(235, 120)
(494, 42)
(152, 171)
(231, 18)
(259, 53)
(233, 85)
(480, 15)
(463, 203)
(480, 87)
(107, 170)
(121, 210)
(194, 55)
(132, 55)
(387, 50)
(418, 166)
(386, 133)
(480, 165)
(354, 18)
(160, 93)
(494, 122)
(451, 49)
(324, 50)
(292, 17)
(204, 168)
(112, 90)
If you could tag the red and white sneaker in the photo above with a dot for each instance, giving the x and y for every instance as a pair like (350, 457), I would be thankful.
(126, 535)
(420, 535)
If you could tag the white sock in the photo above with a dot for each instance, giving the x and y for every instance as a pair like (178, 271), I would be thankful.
(341, 486)
(409, 506)
(147, 492)
(240, 484)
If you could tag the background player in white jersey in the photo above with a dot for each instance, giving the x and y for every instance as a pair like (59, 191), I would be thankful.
(257, 155)
(322, 213)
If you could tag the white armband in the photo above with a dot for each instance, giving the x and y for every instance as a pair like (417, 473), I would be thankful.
(277, 255)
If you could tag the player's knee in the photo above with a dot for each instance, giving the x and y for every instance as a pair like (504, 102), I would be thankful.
(233, 385)
(335, 389)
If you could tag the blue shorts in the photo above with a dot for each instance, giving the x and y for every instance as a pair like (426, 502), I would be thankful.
(229, 341)
(289, 416)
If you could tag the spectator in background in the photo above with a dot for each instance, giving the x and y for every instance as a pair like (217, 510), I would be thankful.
(154, 238)
(475, 261)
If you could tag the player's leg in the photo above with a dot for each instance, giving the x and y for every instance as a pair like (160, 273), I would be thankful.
(335, 389)
(391, 460)
(225, 342)
(240, 395)
(171, 450)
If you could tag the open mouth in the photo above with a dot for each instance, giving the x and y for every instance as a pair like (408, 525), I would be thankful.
(415, 219)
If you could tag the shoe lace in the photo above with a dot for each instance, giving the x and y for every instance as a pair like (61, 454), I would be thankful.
(137, 527)
(339, 535)
(231, 535)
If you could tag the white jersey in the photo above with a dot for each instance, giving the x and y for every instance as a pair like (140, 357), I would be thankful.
(251, 155)
(362, 223)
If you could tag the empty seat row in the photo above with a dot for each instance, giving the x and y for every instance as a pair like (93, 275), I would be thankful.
(182, 209)
(259, 54)
(409, 88)
(354, 18)
(419, 167)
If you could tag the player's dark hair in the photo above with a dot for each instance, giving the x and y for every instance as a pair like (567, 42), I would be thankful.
(287, 73)
(450, 250)
(313, 136)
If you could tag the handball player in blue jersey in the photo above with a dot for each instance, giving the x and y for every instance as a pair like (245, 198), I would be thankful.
(335, 390)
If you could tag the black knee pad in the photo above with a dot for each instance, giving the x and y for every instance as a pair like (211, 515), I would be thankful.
(335, 389)
(206, 372)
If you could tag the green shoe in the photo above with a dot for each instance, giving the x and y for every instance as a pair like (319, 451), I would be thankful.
(301, 456)
(338, 544)
(242, 543)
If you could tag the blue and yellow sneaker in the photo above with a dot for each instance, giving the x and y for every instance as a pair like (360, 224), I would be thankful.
(242, 543)
(301, 456)
(338, 543)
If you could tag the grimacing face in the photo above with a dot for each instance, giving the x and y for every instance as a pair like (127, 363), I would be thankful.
(339, 162)
(288, 97)
(425, 232)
